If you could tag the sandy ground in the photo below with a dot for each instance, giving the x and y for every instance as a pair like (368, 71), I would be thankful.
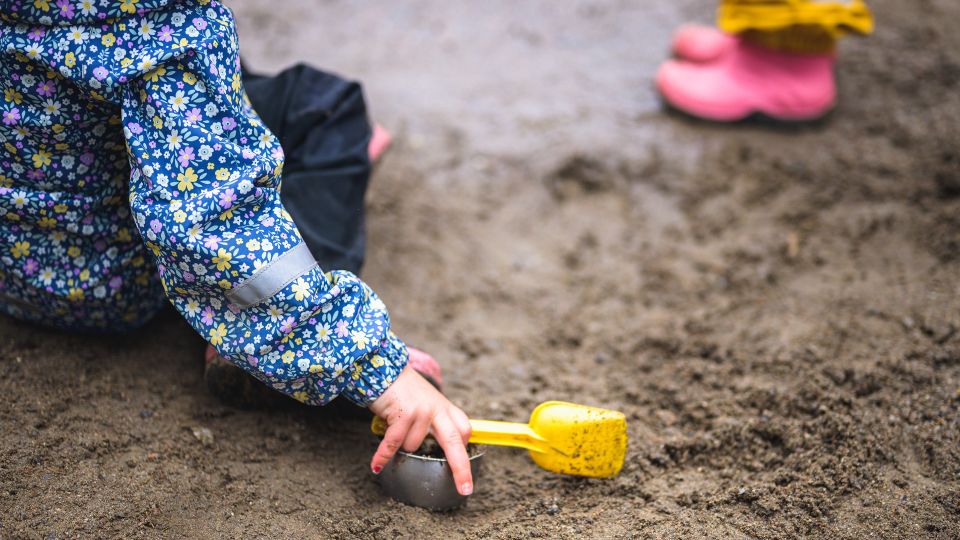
(774, 309)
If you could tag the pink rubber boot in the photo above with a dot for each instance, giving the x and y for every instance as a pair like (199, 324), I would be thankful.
(235, 387)
(425, 365)
(699, 43)
(749, 79)
(379, 142)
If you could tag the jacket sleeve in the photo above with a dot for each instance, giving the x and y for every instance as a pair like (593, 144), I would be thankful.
(204, 191)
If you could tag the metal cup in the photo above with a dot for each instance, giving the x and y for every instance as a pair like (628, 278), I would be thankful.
(423, 481)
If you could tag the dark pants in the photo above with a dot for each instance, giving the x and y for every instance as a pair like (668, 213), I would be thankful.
(321, 121)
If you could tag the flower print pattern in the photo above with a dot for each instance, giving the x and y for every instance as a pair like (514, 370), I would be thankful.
(133, 169)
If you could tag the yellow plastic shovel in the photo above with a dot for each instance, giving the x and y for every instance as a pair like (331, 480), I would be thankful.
(562, 437)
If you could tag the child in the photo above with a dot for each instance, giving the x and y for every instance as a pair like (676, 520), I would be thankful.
(134, 170)
(770, 57)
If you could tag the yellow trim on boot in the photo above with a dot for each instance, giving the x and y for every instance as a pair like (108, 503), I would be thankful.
(838, 17)
(799, 38)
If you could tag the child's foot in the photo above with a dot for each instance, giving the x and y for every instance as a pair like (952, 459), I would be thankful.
(425, 365)
(750, 79)
(379, 142)
(699, 43)
(235, 387)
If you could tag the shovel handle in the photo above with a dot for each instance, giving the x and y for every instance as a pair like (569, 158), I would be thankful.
(489, 432)
(506, 434)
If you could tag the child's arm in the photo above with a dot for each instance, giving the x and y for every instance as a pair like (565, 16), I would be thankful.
(204, 191)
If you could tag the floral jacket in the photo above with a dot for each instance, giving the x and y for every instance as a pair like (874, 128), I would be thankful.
(132, 167)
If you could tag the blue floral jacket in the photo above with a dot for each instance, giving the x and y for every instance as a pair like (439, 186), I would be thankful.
(132, 165)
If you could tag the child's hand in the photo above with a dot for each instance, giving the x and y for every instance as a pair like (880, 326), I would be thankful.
(412, 407)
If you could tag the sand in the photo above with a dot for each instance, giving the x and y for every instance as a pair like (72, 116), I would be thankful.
(774, 308)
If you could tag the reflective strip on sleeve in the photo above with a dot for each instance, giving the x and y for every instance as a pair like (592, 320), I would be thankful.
(270, 278)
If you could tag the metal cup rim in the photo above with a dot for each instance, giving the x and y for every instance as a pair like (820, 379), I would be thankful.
(479, 454)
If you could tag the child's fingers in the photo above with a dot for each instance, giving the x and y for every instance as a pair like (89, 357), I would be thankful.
(451, 441)
(462, 423)
(418, 431)
(392, 440)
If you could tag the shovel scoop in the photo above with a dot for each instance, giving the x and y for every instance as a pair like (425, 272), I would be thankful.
(562, 437)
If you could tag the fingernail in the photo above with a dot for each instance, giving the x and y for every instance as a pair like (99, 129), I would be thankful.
(466, 488)
(376, 469)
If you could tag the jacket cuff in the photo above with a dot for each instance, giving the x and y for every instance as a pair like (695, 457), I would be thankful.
(376, 372)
